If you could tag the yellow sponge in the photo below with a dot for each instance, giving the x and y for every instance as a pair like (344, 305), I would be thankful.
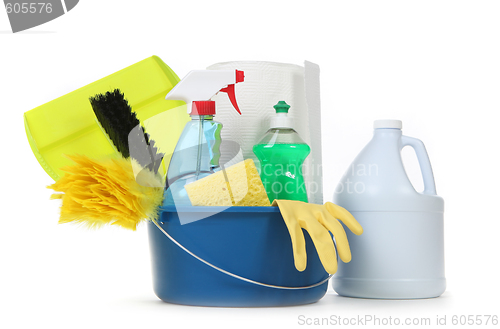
(238, 185)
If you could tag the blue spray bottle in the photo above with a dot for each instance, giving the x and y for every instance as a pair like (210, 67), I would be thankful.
(197, 154)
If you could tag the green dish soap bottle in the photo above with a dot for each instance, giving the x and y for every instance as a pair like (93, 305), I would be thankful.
(281, 153)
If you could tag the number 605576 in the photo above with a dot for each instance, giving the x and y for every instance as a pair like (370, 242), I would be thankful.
(28, 8)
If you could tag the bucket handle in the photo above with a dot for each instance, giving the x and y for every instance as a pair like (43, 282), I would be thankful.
(424, 162)
(234, 275)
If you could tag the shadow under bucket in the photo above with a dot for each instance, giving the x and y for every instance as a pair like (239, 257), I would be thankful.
(235, 257)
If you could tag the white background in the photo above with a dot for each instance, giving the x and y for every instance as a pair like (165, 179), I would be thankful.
(433, 64)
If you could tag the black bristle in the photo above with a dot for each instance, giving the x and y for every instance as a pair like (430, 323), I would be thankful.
(124, 129)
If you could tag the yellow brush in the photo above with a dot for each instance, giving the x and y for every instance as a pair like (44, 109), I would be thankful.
(105, 191)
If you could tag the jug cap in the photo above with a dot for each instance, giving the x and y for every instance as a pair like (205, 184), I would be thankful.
(381, 124)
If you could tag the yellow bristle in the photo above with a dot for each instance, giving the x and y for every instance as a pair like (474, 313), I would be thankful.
(96, 192)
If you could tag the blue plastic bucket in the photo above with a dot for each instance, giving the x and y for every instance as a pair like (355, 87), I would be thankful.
(235, 257)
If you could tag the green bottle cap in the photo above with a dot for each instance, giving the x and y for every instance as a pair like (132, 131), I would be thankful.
(281, 107)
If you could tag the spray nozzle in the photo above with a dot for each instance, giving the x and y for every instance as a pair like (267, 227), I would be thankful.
(204, 84)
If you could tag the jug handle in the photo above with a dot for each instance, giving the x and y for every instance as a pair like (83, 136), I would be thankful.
(424, 162)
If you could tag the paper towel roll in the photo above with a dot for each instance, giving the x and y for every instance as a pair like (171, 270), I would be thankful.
(265, 84)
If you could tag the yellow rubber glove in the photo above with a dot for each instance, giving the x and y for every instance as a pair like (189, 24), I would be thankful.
(318, 220)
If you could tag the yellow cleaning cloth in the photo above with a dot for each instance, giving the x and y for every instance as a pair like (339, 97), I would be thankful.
(105, 191)
(238, 185)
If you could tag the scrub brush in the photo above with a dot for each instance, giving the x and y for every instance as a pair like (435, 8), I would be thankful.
(124, 129)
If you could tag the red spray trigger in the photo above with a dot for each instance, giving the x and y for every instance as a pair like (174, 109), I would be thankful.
(240, 77)
(232, 97)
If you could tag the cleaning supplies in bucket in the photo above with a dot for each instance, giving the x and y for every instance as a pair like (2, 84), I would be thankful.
(236, 256)
(281, 153)
(197, 153)
(401, 253)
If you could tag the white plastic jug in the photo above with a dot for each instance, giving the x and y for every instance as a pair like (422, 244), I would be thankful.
(400, 254)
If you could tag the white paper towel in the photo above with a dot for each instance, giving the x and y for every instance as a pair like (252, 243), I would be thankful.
(267, 83)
